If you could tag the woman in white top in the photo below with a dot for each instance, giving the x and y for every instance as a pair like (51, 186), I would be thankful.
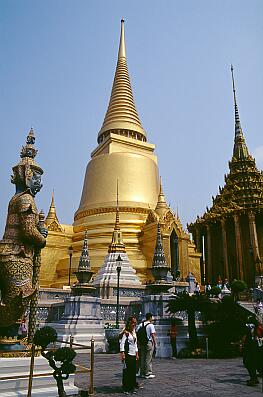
(129, 356)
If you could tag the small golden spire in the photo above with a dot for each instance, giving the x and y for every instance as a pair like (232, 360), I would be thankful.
(52, 214)
(161, 206)
(117, 244)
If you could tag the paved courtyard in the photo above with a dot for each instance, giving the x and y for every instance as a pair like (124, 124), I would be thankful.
(183, 377)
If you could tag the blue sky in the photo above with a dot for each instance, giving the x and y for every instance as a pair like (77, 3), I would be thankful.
(57, 65)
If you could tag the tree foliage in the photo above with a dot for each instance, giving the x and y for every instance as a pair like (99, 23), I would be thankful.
(215, 291)
(238, 286)
(225, 325)
(191, 304)
(44, 336)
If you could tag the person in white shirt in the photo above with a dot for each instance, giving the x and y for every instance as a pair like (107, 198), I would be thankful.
(129, 356)
(22, 330)
(148, 349)
(207, 288)
(197, 288)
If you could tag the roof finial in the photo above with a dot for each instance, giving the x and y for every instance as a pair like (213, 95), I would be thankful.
(161, 186)
(161, 206)
(122, 49)
(237, 120)
(52, 199)
(240, 147)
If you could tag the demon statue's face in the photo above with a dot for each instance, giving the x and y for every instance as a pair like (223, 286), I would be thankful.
(34, 182)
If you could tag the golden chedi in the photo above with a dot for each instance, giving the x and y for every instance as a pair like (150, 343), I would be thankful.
(122, 154)
(55, 259)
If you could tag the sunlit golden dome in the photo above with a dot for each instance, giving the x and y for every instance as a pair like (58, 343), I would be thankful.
(122, 154)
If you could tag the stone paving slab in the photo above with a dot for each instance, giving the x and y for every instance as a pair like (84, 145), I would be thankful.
(182, 377)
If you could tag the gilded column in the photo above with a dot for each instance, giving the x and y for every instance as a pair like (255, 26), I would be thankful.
(224, 243)
(208, 258)
(238, 247)
(197, 239)
(253, 235)
(199, 247)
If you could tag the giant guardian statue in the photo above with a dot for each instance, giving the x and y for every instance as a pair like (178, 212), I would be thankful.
(24, 237)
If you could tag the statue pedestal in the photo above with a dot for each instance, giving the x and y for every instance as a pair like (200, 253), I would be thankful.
(156, 304)
(44, 386)
(82, 319)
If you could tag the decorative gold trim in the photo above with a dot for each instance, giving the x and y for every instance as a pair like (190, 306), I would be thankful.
(5, 340)
(26, 352)
(97, 211)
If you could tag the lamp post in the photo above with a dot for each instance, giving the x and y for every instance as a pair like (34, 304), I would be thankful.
(70, 252)
(118, 268)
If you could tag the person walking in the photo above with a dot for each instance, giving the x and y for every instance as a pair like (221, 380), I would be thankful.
(22, 330)
(129, 356)
(252, 353)
(258, 307)
(197, 288)
(147, 346)
(207, 288)
(173, 333)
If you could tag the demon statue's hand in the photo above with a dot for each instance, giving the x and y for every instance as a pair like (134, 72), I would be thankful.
(43, 231)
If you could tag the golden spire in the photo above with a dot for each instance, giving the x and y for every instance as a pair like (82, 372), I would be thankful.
(121, 116)
(122, 47)
(117, 244)
(52, 219)
(161, 206)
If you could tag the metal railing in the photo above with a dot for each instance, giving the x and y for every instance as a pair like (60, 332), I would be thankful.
(33, 350)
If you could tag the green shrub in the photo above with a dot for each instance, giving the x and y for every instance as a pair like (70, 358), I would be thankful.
(44, 336)
(215, 290)
(63, 355)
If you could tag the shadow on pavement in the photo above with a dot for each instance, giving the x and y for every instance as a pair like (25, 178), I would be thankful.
(108, 390)
(228, 380)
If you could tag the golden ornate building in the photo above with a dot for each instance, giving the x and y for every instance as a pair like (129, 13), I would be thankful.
(230, 233)
(124, 154)
(55, 258)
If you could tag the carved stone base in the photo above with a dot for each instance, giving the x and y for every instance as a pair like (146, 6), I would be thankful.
(158, 287)
(82, 319)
